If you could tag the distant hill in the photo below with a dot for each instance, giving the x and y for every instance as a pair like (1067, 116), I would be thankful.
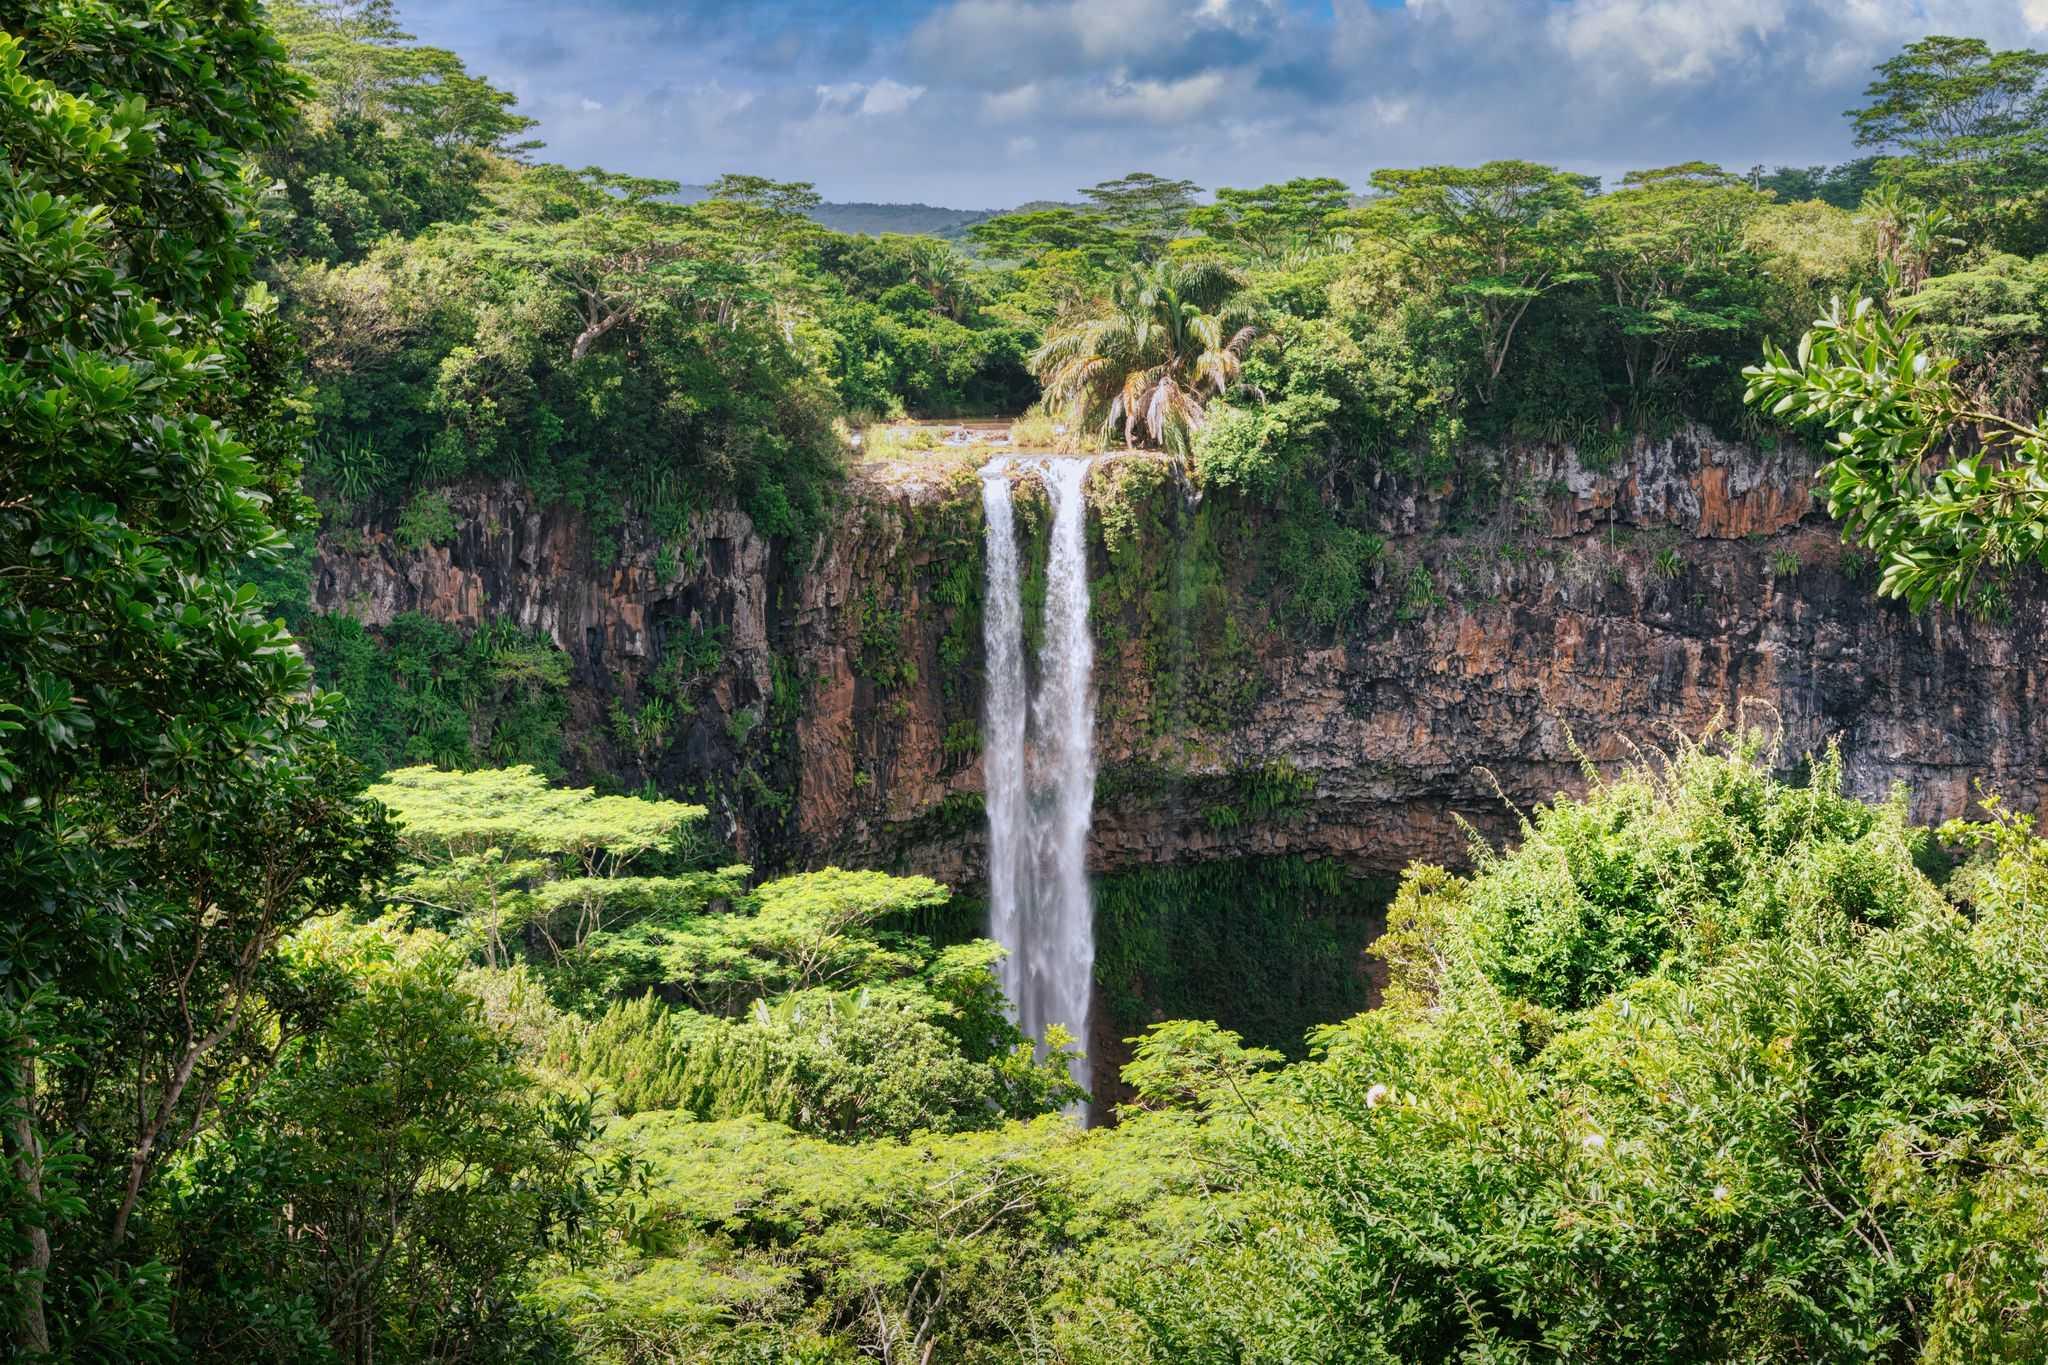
(872, 220)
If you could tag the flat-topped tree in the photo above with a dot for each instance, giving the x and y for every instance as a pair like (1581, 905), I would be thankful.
(811, 931)
(1272, 222)
(1060, 259)
(1492, 239)
(1962, 121)
(1151, 207)
(446, 814)
(614, 243)
(1029, 237)
(500, 850)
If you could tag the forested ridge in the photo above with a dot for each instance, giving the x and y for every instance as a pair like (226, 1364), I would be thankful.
(336, 1025)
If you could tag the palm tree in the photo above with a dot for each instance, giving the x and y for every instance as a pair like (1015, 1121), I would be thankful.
(1173, 338)
(941, 271)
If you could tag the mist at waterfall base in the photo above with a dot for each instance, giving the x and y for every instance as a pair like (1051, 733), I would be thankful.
(1039, 759)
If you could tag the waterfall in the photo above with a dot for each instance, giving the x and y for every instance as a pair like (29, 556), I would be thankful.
(1039, 759)
(1002, 745)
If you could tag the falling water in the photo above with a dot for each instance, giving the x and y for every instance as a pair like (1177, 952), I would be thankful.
(1004, 790)
(1040, 772)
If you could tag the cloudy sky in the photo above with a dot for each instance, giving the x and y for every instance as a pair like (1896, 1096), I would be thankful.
(986, 103)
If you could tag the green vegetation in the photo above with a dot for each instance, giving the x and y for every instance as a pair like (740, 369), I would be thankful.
(419, 691)
(170, 813)
(1678, 1075)
(1267, 947)
(1173, 339)
(1941, 486)
(468, 1065)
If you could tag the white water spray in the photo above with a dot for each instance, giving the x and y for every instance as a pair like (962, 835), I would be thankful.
(1039, 761)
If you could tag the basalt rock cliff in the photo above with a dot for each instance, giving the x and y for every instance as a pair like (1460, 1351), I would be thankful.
(1573, 616)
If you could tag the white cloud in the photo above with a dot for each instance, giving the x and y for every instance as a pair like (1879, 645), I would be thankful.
(889, 97)
(713, 102)
(589, 105)
(872, 100)
(1121, 98)
(1022, 101)
(1664, 41)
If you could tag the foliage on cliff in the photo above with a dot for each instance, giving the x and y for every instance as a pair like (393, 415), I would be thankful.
(470, 311)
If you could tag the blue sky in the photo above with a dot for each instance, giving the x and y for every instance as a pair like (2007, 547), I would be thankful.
(986, 103)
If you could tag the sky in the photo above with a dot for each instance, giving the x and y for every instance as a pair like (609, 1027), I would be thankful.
(989, 103)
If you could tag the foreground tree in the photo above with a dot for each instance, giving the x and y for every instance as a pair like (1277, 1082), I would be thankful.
(1948, 492)
(395, 1180)
(162, 826)
(1174, 337)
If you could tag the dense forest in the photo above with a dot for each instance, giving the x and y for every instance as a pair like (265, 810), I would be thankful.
(336, 1026)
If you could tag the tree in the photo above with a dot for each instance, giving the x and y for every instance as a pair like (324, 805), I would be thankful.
(1492, 240)
(938, 268)
(1151, 208)
(1032, 236)
(499, 852)
(132, 664)
(1994, 320)
(1948, 493)
(1842, 185)
(1672, 257)
(446, 814)
(396, 135)
(1910, 235)
(397, 1179)
(612, 242)
(1173, 338)
(1273, 222)
(589, 336)
(1963, 121)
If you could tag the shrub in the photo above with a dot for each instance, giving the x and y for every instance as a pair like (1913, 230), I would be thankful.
(1708, 1067)
(426, 520)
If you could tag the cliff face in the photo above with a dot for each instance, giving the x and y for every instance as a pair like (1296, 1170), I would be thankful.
(1593, 613)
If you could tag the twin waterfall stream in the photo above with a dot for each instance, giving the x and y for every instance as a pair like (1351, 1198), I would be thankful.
(1039, 759)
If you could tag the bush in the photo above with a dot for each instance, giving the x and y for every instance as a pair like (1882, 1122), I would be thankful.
(426, 520)
(1709, 1067)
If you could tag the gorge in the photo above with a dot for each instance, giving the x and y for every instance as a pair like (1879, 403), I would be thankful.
(1587, 615)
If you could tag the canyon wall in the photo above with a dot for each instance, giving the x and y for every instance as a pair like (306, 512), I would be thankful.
(1576, 616)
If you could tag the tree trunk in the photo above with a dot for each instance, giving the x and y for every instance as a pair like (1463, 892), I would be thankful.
(138, 1162)
(589, 336)
(32, 1332)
